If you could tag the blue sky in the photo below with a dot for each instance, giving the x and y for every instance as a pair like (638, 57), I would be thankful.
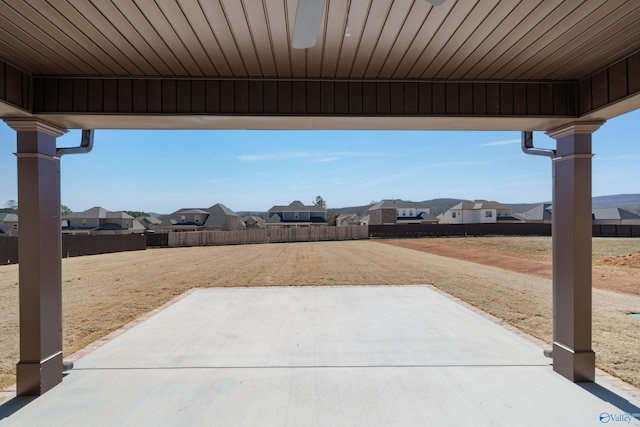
(162, 171)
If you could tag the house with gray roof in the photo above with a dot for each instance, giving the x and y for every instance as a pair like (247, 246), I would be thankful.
(348, 219)
(253, 221)
(540, 213)
(215, 218)
(100, 221)
(296, 214)
(8, 224)
(543, 213)
(614, 216)
(397, 211)
(148, 222)
(478, 212)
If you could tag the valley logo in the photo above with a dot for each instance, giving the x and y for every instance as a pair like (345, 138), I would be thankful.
(623, 417)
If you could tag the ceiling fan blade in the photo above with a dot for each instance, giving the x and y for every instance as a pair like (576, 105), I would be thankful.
(307, 24)
(436, 2)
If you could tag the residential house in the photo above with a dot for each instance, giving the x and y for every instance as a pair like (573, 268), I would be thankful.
(348, 219)
(543, 213)
(253, 221)
(396, 211)
(100, 221)
(296, 214)
(216, 218)
(614, 216)
(478, 211)
(9, 224)
(539, 213)
(148, 222)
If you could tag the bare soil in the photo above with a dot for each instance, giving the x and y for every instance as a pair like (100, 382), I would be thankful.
(506, 277)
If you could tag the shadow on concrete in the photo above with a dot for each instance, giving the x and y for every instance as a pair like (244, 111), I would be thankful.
(616, 400)
(12, 406)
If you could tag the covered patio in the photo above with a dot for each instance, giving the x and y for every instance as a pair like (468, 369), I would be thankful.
(554, 66)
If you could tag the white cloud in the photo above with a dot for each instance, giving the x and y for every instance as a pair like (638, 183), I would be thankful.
(320, 156)
(275, 156)
(497, 143)
(461, 163)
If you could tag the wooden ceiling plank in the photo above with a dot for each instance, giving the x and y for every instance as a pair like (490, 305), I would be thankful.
(37, 39)
(534, 28)
(193, 12)
(378, 15)
(187, 34)
(458, 14)
(574, 61)
(66, 19)
(469, 51)
(543, 43)
(510, 28)
(563, 49)
(234, 12)
(162, 25)
(412, 24)
(215, 15)
(599, 54)
(394, 23)
(256, 16)
(355, 21)
(465, 31)
(137, 49)
(334, 37)
(161, 57)
(280, 41)
(102, 33)
(13, 52)
(419, 46)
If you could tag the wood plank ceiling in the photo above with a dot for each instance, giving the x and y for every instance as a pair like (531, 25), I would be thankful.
(533, 40)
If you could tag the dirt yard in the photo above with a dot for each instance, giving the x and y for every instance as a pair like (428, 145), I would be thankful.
(506, 277)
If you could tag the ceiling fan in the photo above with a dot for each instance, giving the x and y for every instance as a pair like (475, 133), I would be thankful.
(309, 18)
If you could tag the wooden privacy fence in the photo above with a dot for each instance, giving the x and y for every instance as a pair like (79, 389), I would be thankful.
(8, 250)
(616, 230)
(79, 245)
(442, 230)
(511, 229)
(272, 235)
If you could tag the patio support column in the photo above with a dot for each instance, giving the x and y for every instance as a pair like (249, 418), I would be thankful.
(40, 273)
(573, 357)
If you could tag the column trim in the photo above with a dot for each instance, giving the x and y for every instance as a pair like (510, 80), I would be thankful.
(37, 156)
(574, 128)
(572, 156)
(29, 124)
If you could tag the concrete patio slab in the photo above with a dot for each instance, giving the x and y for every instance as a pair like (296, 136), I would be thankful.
(318, 356)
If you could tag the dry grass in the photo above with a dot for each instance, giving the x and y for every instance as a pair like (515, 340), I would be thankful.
(102, 293)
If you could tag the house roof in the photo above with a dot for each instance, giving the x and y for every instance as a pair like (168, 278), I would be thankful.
(613, 213)
(479, 204)
(8, 217)
(253, 219)
(398, 204)
(541, 212)
(149, 220)
(214, 217)
(219, 215)
(274, 218)
(544, 211)
(97, 212)
(297, 206)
